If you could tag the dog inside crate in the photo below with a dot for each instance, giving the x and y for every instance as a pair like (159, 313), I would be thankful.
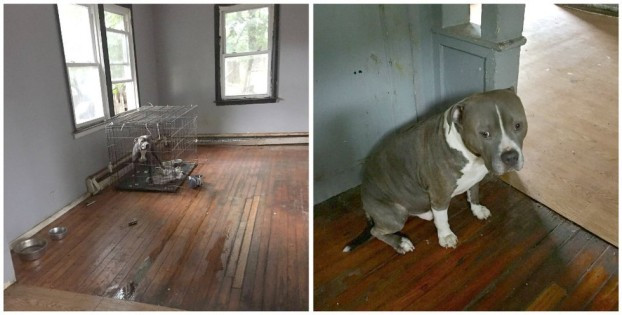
(152, 148)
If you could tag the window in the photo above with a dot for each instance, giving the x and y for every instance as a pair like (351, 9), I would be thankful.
(475, 15)
(84, 63)
(101, 69)
(121, 58)
(246, 54)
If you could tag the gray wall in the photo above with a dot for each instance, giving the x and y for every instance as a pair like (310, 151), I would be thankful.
(44, 166)
(363, 78)
(185, 56)
(144, 40)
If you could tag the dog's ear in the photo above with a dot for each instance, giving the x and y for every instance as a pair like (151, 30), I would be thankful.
(457, 113)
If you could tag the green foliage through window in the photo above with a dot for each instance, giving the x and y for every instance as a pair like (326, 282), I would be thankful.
(114, 20)
(247, 31)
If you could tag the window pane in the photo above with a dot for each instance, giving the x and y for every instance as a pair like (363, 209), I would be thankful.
(75, 25)
(124, 97)
(246, 75)
(118, 54)
(120, 72)
(114, 20)
(86, 93)
(246, 30)
(117, 48)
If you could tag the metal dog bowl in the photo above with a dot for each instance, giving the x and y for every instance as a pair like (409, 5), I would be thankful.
(31, 249)
(58, 233)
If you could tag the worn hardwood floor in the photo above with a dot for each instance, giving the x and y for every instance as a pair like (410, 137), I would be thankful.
(238, 243)
(568, 82)
(525, 257)
(20, 297)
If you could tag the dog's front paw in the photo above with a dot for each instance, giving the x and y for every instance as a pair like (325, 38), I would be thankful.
(405, 246)
(447, 241)
(481, 212)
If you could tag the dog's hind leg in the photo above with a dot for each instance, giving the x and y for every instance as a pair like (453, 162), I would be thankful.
(397, 240)
(389, 221)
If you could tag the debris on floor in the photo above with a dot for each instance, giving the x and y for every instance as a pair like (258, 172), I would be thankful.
(133, 222)
(91, 202)
(126, 292)
(195, 181)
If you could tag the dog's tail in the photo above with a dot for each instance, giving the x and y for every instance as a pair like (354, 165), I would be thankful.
(362, 238)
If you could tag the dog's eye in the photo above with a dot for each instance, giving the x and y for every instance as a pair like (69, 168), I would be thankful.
(485, 134)
(517, 126)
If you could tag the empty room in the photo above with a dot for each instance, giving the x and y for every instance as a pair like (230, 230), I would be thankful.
(156, 157)
(465, 157)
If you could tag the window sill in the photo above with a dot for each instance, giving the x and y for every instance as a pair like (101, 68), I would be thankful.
(244, 101)
(89, 130)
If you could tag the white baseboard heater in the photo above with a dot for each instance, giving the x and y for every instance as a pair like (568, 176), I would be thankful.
(254, 138)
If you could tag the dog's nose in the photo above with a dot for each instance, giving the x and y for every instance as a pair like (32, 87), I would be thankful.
(509, 157)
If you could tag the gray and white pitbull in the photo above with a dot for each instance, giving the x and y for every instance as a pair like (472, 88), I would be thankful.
(416, 171)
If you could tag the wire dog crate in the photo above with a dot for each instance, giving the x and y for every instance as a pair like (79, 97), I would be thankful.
(153, 148)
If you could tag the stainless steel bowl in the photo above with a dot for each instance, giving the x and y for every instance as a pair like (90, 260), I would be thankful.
(58, 233)
(31, 249)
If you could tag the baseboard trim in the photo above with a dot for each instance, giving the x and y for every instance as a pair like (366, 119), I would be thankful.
(49, 220)
(591, 9)
(254, 138)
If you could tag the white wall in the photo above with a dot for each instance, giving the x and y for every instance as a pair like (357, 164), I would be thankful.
(186, 65)
(44, 166)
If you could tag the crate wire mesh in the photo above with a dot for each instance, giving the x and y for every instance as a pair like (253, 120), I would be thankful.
(173, 140)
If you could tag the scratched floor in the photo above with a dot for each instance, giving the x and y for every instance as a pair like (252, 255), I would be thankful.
(525, 257)
(239, 243)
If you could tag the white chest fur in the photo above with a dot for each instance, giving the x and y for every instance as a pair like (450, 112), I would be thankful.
(474, 171)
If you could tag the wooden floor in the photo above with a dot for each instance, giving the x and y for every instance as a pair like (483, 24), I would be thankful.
(525, 257)
(239, 243)
(20, 297)
(568, 81)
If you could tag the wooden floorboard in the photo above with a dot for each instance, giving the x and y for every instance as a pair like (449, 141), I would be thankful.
(525, 257)
(235, 244)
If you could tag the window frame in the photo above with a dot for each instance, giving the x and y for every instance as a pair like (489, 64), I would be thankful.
(127, 13)
(272, 50)
(97, 52)
(100, 44)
